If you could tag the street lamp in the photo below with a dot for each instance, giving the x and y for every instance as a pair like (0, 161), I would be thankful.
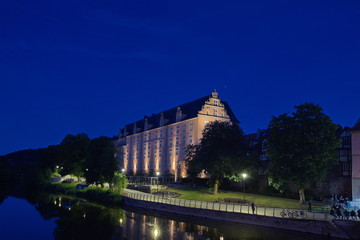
(157, 180)
(244, 175)
(156, 232)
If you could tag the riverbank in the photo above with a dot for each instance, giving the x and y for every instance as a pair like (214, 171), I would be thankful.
(335, 228)
(94, 194)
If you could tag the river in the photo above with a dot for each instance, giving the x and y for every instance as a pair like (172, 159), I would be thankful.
(53, 217)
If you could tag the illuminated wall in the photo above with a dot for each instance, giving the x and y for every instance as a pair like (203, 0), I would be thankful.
(160, 146)
(355, 148)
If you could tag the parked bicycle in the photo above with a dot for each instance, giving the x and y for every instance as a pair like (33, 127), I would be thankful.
(293, 214)
(285, 212)
(301, 213)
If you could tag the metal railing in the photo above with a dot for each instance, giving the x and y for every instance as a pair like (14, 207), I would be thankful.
(230, 207)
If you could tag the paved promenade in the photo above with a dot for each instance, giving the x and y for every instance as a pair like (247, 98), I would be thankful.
(226, 207)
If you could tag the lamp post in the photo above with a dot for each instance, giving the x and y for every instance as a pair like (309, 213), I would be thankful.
(157, 180)
(156, 232)
(244, 175)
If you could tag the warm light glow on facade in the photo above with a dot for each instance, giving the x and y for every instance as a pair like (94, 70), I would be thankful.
(158, 142)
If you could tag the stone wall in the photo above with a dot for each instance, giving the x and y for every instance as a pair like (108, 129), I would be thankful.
(326, 228)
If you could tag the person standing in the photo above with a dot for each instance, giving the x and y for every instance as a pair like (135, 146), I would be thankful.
(253, 207)
(309, 206)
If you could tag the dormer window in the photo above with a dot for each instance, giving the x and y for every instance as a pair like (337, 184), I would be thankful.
(216, 102)
(178, 114)
(215, 112)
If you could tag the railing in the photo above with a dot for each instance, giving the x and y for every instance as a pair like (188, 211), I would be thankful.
(229, 207)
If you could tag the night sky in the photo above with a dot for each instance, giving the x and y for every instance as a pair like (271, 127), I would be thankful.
(92, 67)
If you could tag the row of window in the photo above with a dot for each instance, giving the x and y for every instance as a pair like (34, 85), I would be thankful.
(155, 145)
(158, 134)
(216, 112)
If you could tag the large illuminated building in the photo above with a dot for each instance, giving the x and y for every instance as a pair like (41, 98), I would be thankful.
(355, 141)
(157, 143)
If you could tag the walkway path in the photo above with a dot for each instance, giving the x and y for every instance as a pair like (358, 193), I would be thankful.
(225, 207)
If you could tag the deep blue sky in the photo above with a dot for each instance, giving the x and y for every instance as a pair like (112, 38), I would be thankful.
(83, 66)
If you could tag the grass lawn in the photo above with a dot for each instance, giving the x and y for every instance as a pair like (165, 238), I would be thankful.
(205, 194)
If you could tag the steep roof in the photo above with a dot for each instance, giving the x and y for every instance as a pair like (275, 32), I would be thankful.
(189, 110)
(356, 127)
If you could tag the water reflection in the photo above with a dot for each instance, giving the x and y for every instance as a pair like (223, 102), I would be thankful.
(78, 219)
(141, 224)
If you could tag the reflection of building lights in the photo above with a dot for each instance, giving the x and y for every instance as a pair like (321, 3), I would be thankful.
(221, 238)
(69, 208)
(84, 215)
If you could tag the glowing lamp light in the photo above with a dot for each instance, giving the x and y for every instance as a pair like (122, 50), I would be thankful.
(157, 173)
(244, 176)
(123, 170)
(156, 233)
(121, 220)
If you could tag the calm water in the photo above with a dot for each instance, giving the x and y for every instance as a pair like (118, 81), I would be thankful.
(50, 217)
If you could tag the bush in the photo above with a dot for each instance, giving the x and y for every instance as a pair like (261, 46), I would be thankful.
(119, 183)
(94, 194)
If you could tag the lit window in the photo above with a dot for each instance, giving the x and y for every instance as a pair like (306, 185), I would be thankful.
(215, 112)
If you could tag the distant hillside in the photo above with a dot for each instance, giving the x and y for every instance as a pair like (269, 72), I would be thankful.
(23, 158)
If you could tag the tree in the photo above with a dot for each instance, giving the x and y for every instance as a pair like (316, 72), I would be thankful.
(221, 153)
(119, 183)
(74, 151)
(101, 163)
(301, 146)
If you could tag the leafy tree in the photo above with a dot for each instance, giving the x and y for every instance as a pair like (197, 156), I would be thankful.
(221, 153)
(101, 164)
(300, 147)
(119, 182)
(74, 151)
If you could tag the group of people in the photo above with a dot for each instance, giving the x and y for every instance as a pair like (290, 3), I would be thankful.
(341, 208)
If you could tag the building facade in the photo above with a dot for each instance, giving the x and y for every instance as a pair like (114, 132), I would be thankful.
(157, 143)
(355, 141)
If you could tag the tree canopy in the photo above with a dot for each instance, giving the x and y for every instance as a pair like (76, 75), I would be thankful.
(300, 146)
(101, 163)
(220, 154)
(74, 151)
